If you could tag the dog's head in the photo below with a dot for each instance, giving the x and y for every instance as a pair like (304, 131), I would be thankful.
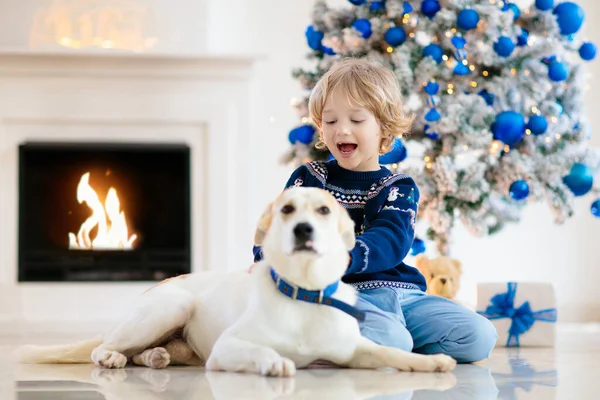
(442, 275)
(305, 235)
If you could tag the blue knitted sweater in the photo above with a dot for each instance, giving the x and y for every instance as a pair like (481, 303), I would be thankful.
(384, 207)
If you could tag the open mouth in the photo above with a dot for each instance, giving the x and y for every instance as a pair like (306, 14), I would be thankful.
(347, 149)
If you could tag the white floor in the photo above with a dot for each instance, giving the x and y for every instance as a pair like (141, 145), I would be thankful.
(570, 371)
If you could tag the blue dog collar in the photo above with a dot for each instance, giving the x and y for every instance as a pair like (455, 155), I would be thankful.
(316, 296)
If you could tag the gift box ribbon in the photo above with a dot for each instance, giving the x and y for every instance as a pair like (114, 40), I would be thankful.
(503, 306)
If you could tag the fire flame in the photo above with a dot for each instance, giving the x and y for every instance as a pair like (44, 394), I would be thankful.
(112, 233)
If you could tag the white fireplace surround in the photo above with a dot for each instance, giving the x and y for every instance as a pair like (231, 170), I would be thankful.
(201, 101)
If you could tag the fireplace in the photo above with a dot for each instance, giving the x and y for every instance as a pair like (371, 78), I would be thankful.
(103, 211)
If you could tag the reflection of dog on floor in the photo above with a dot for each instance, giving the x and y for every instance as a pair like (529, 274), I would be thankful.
(193, 383)
(291, 310)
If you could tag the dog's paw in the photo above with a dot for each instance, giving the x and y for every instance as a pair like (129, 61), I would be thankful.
(259, 360)
(158, 358)
(427, 363)
(275, 365)
(108, 358)
(441, 363)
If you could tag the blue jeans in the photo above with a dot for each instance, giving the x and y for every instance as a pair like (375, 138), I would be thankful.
(412, 320)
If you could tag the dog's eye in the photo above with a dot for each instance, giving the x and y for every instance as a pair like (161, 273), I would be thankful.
(323, 210)
(287, 209)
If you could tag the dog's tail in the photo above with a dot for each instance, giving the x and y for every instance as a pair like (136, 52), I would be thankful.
(76, 353)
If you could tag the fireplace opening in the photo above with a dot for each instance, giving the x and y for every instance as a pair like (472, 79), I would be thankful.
(103, 211)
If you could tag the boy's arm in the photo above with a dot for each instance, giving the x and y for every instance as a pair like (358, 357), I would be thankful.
(388, 239)
(298, 178)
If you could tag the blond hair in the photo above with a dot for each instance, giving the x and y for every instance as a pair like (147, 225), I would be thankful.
(369, 85)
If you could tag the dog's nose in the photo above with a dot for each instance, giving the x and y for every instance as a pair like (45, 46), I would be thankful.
(443, 280)
(303, 231)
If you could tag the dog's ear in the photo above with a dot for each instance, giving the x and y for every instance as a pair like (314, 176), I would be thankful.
(346, 228)
(263, 225)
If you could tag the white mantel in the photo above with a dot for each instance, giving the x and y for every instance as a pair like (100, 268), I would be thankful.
(200, 100)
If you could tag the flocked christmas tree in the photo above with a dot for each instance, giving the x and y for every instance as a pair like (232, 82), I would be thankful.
(497, 92)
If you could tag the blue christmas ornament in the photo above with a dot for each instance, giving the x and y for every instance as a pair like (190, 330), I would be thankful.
(509, 127)
(357, 2)
(523, 37)
(395, 36)
(407, 8)
(433, 135)
(537, 124)
(544, 5)
(313, 38)
(487, 96)
(519, 190)
(364, 27)
(430, 134)
(418, 247)
(395, 155)
(569, 16)
(434, 51)
(596, 208)
(460, 55)
(459, 42)
(504, 46)
(548, 60)
(587, 51)
(430, 7)
(461, 69)
(303, 134)
(559, 107)
(514, 8)
(432, 88)
(580, 179)
(432, 115)
(558, 71)
(467, 19)
(327, 50)
(377, 5)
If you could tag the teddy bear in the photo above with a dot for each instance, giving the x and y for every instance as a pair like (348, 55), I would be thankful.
(442, 275)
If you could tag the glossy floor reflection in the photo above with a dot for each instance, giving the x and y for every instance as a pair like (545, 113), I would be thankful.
(570, 371)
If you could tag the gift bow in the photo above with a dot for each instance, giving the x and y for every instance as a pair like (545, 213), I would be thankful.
(502, 306)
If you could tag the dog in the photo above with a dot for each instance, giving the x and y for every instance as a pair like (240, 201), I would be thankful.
(292, 309)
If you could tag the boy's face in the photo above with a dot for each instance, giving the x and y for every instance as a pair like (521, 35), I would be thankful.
(351, 133)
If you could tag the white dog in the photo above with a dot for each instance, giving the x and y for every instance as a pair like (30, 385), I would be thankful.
(291, 310)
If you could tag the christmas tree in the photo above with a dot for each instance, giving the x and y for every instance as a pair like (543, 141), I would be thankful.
(497, 92)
